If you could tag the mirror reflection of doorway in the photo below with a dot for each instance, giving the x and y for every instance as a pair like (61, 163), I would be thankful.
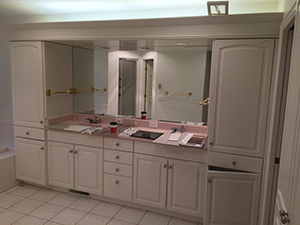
(127, 87)
(148, 87)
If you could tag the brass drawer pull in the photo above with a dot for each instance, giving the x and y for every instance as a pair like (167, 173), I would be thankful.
(117, 169)
(117, 157)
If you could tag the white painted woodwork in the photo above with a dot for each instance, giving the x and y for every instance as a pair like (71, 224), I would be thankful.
(178, 152)
(235, 162)
(186, 184)
(150, 180)
(61, 164)
(232, 198)
(28, 132)
(118, 156)
(58, 77)
(30, 160)
(88, 169)
(75, 138)
(118, 144)
(239, 95)
(27, 83)
(118, 169)
(118, 187)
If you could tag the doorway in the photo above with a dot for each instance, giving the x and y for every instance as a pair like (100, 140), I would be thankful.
(127, 86)
(148, 87)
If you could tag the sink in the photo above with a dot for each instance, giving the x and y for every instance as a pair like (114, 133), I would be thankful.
(146, 134)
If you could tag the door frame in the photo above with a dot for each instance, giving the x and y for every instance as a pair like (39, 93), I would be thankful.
(272, 150)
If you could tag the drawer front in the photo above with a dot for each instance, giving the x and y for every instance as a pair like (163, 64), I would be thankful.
(28, 132)
(118, 187)
(75, 138)
(175, 152)
(118, 144)
(235, 162)
(118, 169)
(117, 156)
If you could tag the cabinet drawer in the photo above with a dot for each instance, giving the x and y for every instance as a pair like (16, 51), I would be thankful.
(118, 187)
(118, 169)
(235, 162)
(75, 138)
(28, 132)
(118, 144)
(117, 156)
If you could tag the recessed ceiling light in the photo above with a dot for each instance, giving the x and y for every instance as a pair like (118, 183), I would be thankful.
(181, 43)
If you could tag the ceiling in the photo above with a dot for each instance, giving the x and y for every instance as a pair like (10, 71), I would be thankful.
(124, 9)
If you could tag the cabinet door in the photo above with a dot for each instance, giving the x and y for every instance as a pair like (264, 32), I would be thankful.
(232, 198)
(239, 96)
(27, 83)
(150, 180)
(61, 164)
(186, 177)
(88, 169)
(30, 160)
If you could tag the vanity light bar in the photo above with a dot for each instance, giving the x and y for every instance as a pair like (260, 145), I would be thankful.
(168, 93)
(75, 91)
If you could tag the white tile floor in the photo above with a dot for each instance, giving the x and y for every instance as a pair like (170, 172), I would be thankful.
(28, 205)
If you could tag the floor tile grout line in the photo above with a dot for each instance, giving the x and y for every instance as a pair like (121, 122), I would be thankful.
(142, 216)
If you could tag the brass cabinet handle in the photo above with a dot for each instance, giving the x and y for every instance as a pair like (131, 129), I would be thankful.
(27, 133)
(75, 152)
(71, 151)
(42, 148)
(117, 169)
(117, 182)
(117, 144)
(209, 180)
(117, 157)
(165, 166)
(211, 143)
(170, 167)
(41, 122)
(233, 163)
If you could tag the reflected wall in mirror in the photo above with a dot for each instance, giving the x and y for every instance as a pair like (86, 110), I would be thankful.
(167, 82)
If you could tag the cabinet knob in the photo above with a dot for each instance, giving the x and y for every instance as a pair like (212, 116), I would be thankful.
(75, 152)
(233, 162)
(27, 133)
(165, 166)
(211, 143)
(117, 157)
(71, 151)
(117, 182)
(41, 122)
(209, 180)
(117, 169)
(170, 167)
(117, 144)
(42, 148)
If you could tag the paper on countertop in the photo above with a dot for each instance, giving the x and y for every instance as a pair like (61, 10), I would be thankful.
(174, 136)
(187, 140)
(77, 128)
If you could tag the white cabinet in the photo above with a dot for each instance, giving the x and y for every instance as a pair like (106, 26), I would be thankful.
(186, 184)
(88, 169)
(30, 160)
(232, 198)
(239, 95)
(61, 164)
(154, 177)
(27, 83)
(75, 167)
(150, 180)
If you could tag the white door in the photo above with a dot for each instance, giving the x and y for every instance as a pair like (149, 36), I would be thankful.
(61, 164)
(30, 160)
(186, 183)
(27, 83)
(150, 180)
(239, 95)
(232, 198)
(88, 169)
(287, 206)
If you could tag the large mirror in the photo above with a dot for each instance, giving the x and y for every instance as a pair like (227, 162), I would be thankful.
(165, 78)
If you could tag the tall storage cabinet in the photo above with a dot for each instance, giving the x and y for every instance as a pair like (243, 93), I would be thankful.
(239, 100)
(27, 83)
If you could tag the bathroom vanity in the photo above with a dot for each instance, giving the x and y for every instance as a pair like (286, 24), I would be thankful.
(224, 182)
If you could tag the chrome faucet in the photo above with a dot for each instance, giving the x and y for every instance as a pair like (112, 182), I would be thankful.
(182, 129)
(96, 120)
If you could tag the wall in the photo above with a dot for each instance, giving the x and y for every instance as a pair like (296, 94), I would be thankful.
(285, 5)
(182, 72)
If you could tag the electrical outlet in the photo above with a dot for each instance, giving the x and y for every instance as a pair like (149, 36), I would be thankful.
(153, 124)
(119, 120)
